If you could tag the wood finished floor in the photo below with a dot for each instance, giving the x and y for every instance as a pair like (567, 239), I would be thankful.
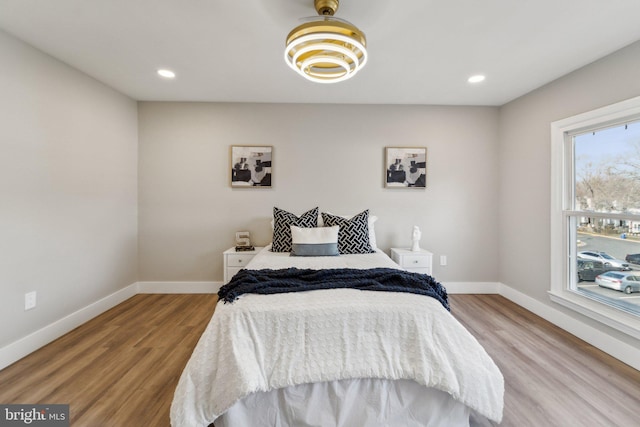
(551, 377)
(121, 368)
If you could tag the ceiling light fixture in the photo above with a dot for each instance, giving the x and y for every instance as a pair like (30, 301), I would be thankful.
(325, 49)
(167, 74)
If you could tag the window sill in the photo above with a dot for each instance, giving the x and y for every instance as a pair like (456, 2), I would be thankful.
(612, 317)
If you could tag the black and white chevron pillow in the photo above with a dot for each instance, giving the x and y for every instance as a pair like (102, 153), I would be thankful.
(353, 237)
(282, 222)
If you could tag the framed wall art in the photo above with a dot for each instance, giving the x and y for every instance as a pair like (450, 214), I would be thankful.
(251, 166)
(405, 167)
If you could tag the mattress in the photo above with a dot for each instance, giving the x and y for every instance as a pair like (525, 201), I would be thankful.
(261, 350)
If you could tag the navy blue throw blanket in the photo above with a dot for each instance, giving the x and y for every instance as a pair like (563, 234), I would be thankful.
(269, 281)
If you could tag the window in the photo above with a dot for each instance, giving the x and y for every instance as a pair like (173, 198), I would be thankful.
(595, 213)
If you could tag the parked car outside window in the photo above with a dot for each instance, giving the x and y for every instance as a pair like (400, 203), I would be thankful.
(625, 281)
(606, 259)
(633, 258)
(589, 269)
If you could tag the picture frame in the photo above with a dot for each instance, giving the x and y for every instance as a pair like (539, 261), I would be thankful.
(405, 167)
(251, 166)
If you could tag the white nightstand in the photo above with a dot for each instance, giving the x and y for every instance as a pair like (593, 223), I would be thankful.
(234, 261)
(417, 262)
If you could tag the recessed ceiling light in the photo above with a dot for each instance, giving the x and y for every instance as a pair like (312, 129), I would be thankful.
(167, 74)
(476, 79)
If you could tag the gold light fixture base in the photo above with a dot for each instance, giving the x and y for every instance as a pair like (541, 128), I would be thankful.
(325, 49)
(326, 7)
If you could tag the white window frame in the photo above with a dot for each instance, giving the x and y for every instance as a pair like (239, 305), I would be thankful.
(562, 198)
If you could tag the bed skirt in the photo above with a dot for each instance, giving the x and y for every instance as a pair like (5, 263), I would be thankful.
(365, 402)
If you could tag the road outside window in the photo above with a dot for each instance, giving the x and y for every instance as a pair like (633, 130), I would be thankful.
(604, 215)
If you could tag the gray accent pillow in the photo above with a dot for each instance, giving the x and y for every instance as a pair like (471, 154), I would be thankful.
(319, 241)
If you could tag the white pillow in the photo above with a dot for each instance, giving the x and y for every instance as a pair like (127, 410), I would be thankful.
(318, 241)
(370, 225)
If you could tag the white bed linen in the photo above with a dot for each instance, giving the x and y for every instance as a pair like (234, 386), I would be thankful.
(268, 342)
(277, 260)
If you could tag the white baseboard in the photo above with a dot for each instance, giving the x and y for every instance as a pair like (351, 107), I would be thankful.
(179, 287)
(24, 346)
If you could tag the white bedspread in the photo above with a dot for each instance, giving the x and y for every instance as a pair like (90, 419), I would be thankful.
(264, 342)
(275, 260)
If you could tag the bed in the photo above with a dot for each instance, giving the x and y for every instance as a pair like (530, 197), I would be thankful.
(335, 357)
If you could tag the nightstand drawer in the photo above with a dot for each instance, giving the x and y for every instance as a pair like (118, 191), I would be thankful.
(238, 260)
(235, 261)
(415, 261)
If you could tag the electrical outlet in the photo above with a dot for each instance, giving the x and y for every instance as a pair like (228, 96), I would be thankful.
(443, 260)
(29, 300)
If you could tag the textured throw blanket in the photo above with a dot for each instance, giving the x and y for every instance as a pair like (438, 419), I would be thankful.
(296, 280)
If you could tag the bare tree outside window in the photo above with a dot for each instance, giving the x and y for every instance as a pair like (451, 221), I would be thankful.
(607, 181)
(607, 165)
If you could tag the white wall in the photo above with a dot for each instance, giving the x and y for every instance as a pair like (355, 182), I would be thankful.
(329, 156)
(524, 160)
(68, 189)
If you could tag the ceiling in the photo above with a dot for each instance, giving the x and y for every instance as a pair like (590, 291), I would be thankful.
(420, 51)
